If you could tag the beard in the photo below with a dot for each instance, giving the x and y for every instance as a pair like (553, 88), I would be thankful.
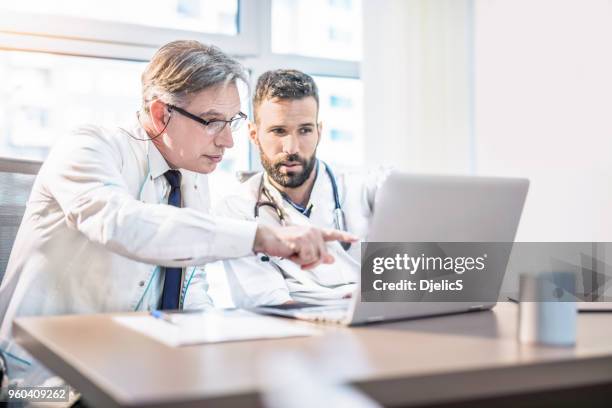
(291, 179)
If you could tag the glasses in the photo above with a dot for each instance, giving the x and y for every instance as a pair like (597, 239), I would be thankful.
(215, 126)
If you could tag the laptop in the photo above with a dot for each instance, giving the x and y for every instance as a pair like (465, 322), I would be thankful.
(428, 208)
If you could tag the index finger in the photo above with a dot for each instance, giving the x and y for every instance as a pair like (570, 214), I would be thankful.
(337, 235)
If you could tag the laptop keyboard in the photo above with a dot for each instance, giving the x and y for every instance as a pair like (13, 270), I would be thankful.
(326, 315)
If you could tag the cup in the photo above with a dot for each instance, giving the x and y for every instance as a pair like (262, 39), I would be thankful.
(547, 309)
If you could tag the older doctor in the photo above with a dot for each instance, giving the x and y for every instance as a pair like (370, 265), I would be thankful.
(296, 189)
(102, 231)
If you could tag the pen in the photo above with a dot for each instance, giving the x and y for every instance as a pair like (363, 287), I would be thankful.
(163, 316)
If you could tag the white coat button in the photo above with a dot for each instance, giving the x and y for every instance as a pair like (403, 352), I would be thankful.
(141, 283)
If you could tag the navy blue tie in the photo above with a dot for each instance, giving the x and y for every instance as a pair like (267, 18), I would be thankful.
(172, 278)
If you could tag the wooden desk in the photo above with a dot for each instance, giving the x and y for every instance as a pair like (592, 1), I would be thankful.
(410, 363)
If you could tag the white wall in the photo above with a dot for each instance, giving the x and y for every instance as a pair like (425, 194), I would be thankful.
(498, 87)
(417, 73)
(544, 110)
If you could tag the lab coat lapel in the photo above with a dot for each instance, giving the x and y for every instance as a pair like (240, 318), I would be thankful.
(157, 166)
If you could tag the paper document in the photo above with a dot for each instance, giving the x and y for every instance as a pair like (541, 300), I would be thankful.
(182, 329)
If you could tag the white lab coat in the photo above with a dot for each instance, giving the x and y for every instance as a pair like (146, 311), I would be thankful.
(253, 282)
(97, 227)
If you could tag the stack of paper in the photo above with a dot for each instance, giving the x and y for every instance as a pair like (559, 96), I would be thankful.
(181, 329)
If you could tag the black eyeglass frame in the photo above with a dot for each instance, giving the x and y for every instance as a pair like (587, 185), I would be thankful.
(240, 116)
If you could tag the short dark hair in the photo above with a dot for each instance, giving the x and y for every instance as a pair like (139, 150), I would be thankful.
(284, 84)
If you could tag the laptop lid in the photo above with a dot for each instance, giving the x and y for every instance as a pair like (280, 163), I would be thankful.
(438, 208)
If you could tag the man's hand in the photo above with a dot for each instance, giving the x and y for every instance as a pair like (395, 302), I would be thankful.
(303, 245)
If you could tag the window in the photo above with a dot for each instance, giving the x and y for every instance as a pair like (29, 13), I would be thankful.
(317, 28)
(45, 96)
(67, 63)
(211, 16)
(340, 111)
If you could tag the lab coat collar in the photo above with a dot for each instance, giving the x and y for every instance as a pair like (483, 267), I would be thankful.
(156, 162)
(158, 165)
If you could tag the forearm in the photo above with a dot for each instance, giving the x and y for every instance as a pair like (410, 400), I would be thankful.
(158, 233)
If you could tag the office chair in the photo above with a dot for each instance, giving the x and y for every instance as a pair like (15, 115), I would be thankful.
(3, 375)
(16, 179)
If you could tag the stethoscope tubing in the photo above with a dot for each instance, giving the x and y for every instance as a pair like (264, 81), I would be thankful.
(339, 217)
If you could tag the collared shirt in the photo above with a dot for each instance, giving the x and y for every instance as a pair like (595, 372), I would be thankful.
(253, 282)
(305, 210)
(97, 228)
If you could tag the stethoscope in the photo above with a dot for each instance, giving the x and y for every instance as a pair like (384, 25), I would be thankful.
(339, 218)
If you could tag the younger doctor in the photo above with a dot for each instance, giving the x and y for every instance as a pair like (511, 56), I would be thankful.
(296, 189)
(103, 231)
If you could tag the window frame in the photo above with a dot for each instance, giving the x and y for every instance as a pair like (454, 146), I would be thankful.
(82, 37)
(107, 39)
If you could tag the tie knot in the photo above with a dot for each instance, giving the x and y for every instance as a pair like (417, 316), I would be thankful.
(174, 178)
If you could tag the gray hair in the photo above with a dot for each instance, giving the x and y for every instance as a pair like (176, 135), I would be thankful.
(181, 68)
